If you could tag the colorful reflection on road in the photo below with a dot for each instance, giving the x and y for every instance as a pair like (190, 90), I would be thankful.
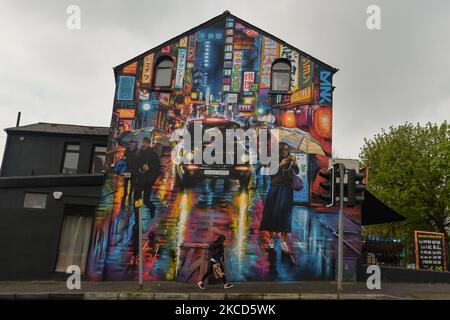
(176, 239)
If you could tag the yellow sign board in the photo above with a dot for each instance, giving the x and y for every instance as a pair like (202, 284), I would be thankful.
(126, 113)
(303, 95)
(147, 69)
(131, 68)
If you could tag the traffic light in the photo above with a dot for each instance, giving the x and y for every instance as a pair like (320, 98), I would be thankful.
(329, 186)
(355, 187)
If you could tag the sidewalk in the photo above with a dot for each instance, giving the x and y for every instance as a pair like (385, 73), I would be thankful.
(249, 290)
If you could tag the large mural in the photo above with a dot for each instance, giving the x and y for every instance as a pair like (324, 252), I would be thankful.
(222, 72)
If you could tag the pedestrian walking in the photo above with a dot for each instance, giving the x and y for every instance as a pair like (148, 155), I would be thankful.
(215, 264)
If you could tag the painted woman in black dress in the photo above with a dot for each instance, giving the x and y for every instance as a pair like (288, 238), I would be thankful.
(277, 214)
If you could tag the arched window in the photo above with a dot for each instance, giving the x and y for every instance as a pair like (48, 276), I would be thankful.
(281, 75)
(163, 74)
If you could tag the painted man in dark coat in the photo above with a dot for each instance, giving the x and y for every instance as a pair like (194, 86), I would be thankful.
(149, 168)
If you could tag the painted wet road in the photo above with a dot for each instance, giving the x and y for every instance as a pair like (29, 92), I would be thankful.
(187, 219)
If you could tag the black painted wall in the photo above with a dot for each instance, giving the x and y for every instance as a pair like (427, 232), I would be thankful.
(29, 154)
(29, 238)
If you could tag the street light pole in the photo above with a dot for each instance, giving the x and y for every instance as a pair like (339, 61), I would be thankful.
(341, 226)
(140, 243)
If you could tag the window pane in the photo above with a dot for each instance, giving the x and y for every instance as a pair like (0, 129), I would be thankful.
(70, 162)
(281, 81)
(163, 77)
(72, 147)
(71, 155)
(74, 242)
(281, 66)
(98, 159)
(98, 163)
(35, 200)
(99, 149)
(166, 64)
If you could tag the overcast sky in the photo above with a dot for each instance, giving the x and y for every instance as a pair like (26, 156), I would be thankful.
(388, 76)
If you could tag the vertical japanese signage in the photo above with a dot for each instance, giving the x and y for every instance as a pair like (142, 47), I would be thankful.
(181, 65)
(430, 251)
(147, 70)
(191, 48)
(249, 78)
(269, 54)
(228, 56)
(237, 71)
(306, 72)
(293, 57)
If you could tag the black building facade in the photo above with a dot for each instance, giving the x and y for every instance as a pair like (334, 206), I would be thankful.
(50, 184)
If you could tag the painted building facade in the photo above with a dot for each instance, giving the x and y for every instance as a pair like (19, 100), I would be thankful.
(222, 68)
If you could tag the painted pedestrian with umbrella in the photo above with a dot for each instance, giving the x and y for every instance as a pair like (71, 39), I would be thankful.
(147, 168)
(277, 213)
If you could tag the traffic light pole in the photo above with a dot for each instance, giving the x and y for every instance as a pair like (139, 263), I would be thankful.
(341, 227)
(353, 190)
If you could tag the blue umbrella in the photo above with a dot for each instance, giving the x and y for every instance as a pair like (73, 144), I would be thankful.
(125, 138)
(158, 136)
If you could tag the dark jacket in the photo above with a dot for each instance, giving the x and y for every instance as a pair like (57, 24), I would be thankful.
(150, 158)
(216, 251)
(130, 157)
(284, 176)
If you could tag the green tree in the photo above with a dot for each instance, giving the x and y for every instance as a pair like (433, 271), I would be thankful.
(409, 170)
